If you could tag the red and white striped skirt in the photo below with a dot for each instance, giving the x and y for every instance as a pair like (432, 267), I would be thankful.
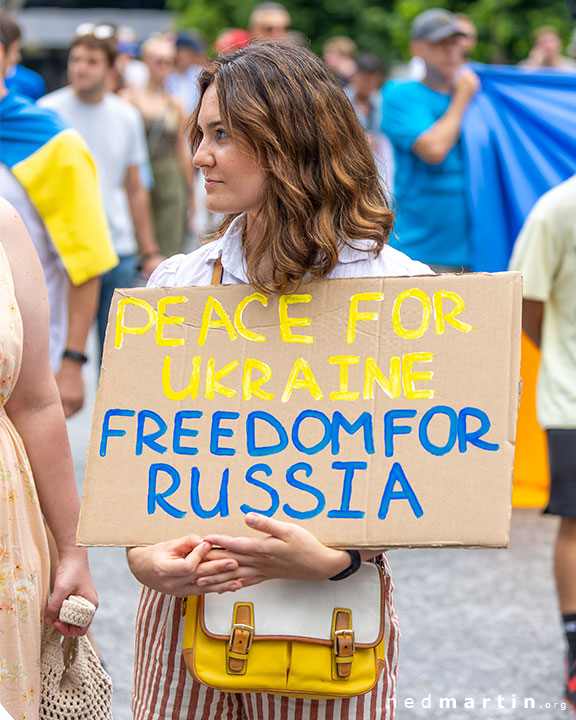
(163, 689)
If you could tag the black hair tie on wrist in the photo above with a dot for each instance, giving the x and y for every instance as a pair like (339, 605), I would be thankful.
(75, 355)
(355, 562)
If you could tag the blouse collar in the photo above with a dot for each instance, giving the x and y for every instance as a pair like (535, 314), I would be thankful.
(229, 249)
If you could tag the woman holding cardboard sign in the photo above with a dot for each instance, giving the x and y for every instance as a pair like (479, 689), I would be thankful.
(283, 156)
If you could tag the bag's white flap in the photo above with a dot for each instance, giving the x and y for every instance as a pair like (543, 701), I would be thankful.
(298, 607)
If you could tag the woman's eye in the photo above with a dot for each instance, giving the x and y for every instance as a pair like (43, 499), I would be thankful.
(221, 134)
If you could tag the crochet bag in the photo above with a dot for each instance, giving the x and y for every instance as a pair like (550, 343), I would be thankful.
(74, 685)
(290, 637)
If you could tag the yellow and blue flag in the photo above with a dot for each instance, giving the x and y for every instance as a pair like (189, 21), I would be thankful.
(53, 164)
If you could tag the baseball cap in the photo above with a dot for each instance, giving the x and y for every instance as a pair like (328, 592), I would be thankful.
(232, 39)
(190, 40)
(434, 25)
(127, 41)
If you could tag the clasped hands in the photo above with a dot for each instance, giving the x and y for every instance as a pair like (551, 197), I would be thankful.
(192, 565)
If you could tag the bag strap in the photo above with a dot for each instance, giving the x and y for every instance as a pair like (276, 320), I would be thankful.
(343, 639)
(217, 272)
(240, 639)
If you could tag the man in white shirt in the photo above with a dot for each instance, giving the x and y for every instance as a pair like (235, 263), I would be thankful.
(114, 132)
(545, 253)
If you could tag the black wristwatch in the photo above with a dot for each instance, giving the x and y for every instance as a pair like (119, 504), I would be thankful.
(75, 355)
(355, 562)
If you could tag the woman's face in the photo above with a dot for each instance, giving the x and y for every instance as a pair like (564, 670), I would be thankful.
(234, 181)
(160, 61)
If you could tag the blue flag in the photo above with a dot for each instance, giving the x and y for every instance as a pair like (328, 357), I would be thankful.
(520, 138)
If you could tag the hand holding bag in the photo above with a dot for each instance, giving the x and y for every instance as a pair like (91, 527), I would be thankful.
(74, 685)
(290, 637)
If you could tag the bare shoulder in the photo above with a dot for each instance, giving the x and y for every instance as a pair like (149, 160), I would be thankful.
(126, 94)
(24, 262)
(15, 239)
(131, 95)
(12, 231)
(8, 215)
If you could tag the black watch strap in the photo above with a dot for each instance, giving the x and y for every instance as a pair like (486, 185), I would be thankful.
(75, 355)
(355, 562)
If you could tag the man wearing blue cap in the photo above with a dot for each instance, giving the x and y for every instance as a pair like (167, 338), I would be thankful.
(423, 121)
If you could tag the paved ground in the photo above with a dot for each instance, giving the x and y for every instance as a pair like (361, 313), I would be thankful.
(480, 631)
(481, 627)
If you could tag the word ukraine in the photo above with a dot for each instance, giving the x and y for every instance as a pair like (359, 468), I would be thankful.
(252, 374)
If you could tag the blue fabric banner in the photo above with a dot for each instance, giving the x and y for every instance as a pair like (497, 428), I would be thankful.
(520, 137)
(25, 128)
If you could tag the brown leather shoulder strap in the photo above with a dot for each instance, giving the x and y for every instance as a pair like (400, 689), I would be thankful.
(217, 272)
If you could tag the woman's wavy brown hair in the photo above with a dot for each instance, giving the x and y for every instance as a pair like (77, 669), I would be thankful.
(285, 108)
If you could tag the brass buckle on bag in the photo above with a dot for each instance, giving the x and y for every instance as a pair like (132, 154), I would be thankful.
(345, 634)
(344, 644)
(244, 628)
(240, 640)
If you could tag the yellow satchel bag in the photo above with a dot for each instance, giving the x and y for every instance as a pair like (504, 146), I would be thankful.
(290, 637)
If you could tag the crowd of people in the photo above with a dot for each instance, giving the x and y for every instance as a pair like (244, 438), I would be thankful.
(107, 174)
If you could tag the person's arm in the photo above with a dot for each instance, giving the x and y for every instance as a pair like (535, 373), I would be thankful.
(82, 306)
(35, 409)
(532, 315)
(173, 567)
(139, 202)
(434, 144)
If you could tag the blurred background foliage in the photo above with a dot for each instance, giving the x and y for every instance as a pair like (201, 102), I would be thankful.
(504, 26)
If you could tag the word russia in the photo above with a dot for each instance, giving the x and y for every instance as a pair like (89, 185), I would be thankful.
(376, 412)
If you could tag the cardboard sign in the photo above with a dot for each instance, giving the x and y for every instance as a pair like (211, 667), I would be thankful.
(376, 412)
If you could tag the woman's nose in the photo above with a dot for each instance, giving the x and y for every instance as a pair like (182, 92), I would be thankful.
(203, 157)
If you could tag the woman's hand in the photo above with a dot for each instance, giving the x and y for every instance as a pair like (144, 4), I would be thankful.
(173, 567)
(284, 551)
(72, 578)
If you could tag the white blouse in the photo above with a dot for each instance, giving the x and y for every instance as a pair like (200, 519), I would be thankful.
(197, 267)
